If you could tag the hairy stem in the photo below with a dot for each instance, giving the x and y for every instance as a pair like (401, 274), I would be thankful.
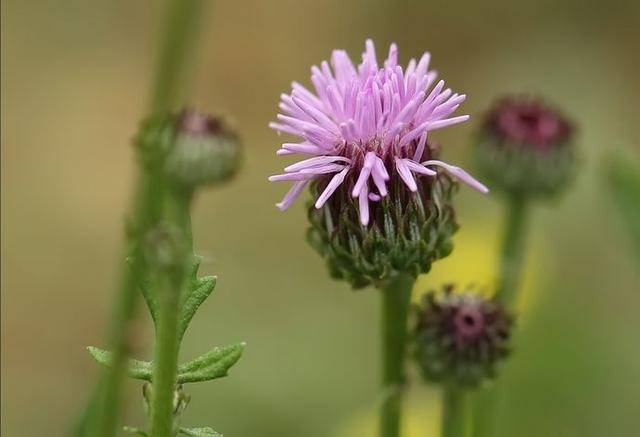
(455, 420)
(396, 296)
(486, 402)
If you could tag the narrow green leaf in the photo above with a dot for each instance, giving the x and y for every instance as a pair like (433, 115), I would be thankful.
(200, 432)
(201, 288)
(214, 364)
(136, 369)
(132, 430)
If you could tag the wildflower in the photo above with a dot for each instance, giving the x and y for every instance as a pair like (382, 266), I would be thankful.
(525, 147)
(460, 336)
(382, 197)
(366, 127)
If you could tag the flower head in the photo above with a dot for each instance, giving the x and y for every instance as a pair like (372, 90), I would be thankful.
(366, 127)
(460, 336)
(525, 147)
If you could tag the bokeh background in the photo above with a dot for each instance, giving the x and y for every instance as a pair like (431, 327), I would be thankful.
(75, 79)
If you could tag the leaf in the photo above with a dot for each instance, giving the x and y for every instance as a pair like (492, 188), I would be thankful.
(200, 432)
(132, 430)
(200, 289)
(214, 364)
(136, 369)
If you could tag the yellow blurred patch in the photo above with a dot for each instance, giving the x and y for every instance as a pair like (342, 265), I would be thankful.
(421, 418)
(474, 260)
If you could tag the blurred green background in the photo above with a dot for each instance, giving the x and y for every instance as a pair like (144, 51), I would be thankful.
(75, 78)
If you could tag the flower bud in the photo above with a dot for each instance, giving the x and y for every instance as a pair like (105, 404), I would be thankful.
(525, 148)
(205, 151)
(407, 230)
(460, 337)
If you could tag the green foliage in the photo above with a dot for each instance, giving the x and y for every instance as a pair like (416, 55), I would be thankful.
(211, 365)
(200, 432)
(135, 369)
(196, 293)
(214, 364)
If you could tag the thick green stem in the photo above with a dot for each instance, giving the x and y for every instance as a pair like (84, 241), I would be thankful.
(455, 417)
(396, 296)
(486, 402)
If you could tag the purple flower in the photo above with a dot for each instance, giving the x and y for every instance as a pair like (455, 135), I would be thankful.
(364, 126)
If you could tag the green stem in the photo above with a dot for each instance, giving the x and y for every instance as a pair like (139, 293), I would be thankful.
(100, 416)
(486, 402)
(512, 252)
(396, 296)
(455, 420)
(170, 280)
(176, 45)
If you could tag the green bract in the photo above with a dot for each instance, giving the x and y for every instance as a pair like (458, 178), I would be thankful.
(407, 231)
(517, 169)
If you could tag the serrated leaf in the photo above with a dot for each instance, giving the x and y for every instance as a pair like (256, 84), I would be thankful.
(200, 289)
(132, 430)
(135, 369)
(200, 432)
(214, 364)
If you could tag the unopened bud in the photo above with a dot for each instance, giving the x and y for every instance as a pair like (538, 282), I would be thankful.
(206, 150)
(460, 337)
(525, 148)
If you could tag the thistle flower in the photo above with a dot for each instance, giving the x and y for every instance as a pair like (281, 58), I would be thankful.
(460, 336)
(525, 147)
(365, 127)
(381, 197)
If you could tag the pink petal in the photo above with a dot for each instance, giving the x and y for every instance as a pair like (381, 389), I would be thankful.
(460, 174)
(291, 195)
(335, 182)
(406, 175)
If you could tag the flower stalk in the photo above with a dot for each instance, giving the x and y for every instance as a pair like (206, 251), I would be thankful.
(396, 296)
(513, 250)
(525, 149)
(511, 263)
(455, 418)
(173, 255)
